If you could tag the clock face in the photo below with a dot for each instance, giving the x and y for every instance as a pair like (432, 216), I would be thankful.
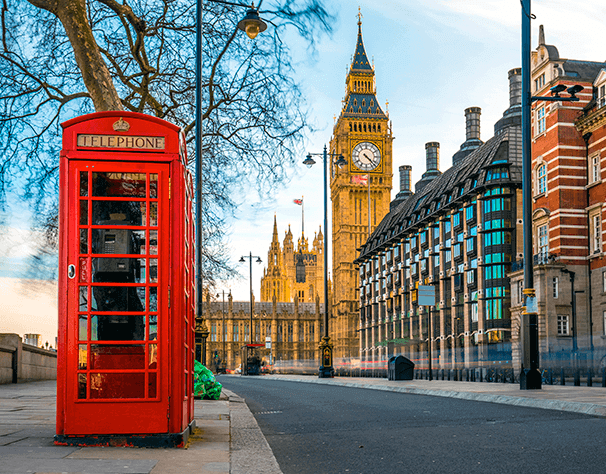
(366, 156)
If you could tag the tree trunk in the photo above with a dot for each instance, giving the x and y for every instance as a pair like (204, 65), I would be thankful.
(96, 76)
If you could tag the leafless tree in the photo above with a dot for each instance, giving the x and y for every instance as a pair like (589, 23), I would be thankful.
(63, 58)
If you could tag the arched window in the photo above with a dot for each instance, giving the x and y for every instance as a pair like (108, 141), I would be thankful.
(355, 127)
(542, 179)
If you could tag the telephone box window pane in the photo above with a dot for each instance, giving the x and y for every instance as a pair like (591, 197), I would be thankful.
(117, 327)
(83, 306)
(153, 270)
(83, 263)
(82, 327)
(118, 241)
(117, 386)
(118, 298)
(118, 270)
(152, 385)
(153, 185)
(153, 299)
(82, 354)
(118, 213)
(83, 183)
(153, 242)
(114, 356)
(153, 214)
(153, 356)
(119, 184)
(83, 212)
(81, 386)
(83, 240)
(153, 327)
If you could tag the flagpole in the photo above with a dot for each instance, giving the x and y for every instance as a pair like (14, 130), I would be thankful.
(302, 216)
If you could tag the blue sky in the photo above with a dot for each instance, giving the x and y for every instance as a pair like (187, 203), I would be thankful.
(433, 59)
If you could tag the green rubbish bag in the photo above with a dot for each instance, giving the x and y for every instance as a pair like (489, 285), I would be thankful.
(205, 383)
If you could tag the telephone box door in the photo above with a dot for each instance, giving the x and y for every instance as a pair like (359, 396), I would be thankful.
(118, 296)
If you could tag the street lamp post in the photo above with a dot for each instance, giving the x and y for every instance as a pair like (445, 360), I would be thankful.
(252, 25)
(530, 377)
(250, 256)
(326, 368)
(223, 331)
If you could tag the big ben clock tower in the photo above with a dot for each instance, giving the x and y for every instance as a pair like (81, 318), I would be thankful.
(360, 194)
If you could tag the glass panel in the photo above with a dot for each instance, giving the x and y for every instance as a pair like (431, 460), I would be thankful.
(118, 241)
(83, 183)
(118, 213)
(119, 184)
(153, 356)
(83, 212)
(153, 185)
(112, 298)
(153, 242)
(117, 327)
(82, 353)
(153, 214)
(153, 299)
(153, 327)
(82, 327)
(117, 385)
(116, 356)
(153, 270)
(83, 306)
(83, 240)
(81, 386)
(118, 270)
(152, 385)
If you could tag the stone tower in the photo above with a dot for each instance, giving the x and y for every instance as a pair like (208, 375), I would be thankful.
(362, 134)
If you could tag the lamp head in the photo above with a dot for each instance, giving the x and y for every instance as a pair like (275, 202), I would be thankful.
(259, 260)
(573, 90)
(309, 161)
(555, 90)
(241, 260)
(252, 24)
(341, 162)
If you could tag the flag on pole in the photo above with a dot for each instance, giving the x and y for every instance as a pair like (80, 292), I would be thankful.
(359, 179)
(298, 201)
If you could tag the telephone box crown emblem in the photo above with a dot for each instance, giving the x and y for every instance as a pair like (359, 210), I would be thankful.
(121, 125)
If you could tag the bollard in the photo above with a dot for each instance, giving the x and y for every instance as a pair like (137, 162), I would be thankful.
(562, 377)
(466, 375)
(589, 380)
(460, 375)
(442, 374)
(550, 376)
(577, 378)
(604, 377)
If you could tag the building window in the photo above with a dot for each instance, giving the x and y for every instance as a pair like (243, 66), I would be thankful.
(539, 82)
(543, 239)
(213, 332)
(556, 287)
(604, 282)
(595, 173)
(563, 325)
(602, 96)
(595, 232)
(540, 120)
(542, 179)
(236, 332)
(521, 292)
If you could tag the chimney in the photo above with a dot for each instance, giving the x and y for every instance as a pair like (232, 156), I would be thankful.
(405, 171)
(432, 156)
(512, 117)
(472, 134)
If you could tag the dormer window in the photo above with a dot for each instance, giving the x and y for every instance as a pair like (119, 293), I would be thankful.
(363, 102)
(355, 102)
(602, 95)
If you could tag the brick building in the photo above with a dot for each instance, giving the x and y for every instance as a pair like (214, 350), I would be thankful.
(568, 150)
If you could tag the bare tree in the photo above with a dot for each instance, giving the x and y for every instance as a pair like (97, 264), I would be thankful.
(63, 58)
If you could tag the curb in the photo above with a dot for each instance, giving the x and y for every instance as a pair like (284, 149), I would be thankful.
(250, 452)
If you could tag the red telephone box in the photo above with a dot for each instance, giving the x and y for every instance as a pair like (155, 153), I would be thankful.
(126, 283)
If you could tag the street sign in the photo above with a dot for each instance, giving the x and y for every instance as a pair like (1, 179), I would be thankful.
(427, 295)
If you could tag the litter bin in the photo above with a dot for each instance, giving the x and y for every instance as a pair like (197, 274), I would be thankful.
(400, 368)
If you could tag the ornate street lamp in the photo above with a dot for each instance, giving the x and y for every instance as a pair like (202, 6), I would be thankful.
(252, 25)
(326, 368)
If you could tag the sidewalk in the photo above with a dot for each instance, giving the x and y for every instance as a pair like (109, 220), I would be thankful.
(587, 400)
(227, 440)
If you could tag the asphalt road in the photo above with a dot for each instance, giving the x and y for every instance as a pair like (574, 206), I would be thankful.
(328, 429)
